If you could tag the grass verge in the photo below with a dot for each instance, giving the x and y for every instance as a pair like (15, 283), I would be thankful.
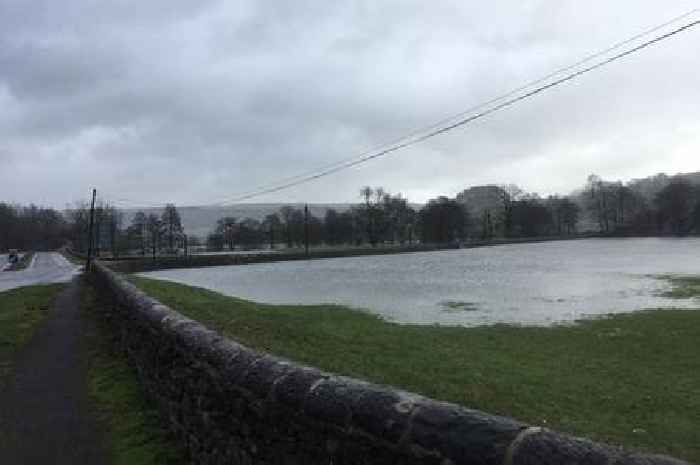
(21, 312)
(629, 379)
(135, 435)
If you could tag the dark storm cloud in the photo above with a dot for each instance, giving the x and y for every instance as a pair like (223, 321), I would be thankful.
(197, 101)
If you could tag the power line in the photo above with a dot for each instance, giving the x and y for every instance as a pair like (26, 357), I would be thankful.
(461, 114)
(454, 121)
(412, 140)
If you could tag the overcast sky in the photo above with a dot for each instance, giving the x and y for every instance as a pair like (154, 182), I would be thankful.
(198, 101)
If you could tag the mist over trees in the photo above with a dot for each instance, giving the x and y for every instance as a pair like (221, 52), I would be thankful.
(383, 218)
(149, 233)
(653, 206)
(658, 205)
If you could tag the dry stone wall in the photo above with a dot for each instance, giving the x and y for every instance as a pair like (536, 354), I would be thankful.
(232, 405)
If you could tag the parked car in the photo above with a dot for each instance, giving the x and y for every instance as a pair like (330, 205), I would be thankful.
(13, 256)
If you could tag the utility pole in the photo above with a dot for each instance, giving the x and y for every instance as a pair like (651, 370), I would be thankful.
(88, 263)
(306, 229)
(185, 245)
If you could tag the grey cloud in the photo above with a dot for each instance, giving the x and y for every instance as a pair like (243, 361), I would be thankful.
(195, 101)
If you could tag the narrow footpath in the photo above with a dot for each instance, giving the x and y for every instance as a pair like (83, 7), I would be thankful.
(45, 415)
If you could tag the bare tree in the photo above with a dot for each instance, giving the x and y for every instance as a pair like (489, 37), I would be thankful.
(172, 225)
(154, 227)
(509, 194)
(114, 220)
(272, 223)
(226, 227)
(287, 214)
(137, 231)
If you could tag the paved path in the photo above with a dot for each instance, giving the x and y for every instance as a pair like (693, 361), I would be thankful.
(45, 415)
(46, 267)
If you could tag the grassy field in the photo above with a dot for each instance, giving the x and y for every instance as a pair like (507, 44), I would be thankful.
(21, 312)
(135, 435)
(631, 379)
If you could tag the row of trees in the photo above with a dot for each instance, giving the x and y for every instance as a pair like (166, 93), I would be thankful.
(31, 228)
(153, 232)
(627, 209)
(508, 212)
(659, 205)
(383, 218)
(379, 218)
(150, 233)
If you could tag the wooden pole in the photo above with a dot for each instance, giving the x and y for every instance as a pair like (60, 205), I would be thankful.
(88, 263)
(306, 229)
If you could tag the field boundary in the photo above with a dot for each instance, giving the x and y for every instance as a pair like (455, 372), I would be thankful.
(161, 262)
(230, 404)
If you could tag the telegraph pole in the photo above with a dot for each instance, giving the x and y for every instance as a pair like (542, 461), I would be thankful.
(306, 229)
(90, 240)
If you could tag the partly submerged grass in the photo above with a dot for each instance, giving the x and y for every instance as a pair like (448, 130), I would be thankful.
(628, 379)
(21, 312)
(682, 287)
(135, 435)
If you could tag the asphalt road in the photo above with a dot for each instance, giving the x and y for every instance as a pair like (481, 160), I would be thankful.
(46, 267)
(45, 410)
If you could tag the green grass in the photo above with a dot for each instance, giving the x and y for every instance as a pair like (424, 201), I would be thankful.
(21, 311)
(135, 435)
(629, 379)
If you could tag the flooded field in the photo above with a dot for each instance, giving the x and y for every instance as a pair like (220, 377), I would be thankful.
(540, 283)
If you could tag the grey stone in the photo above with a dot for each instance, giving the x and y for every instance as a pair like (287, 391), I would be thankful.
(231, 404)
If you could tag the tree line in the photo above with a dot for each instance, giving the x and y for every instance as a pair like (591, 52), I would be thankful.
(147, 234)
(654, 206)
(384, 218)
(622, 209)
(608, 208)
(31, 228)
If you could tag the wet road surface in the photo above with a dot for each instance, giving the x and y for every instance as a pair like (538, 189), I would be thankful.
(45, 268)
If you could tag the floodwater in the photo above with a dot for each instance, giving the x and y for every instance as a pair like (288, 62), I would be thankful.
(529, 284)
